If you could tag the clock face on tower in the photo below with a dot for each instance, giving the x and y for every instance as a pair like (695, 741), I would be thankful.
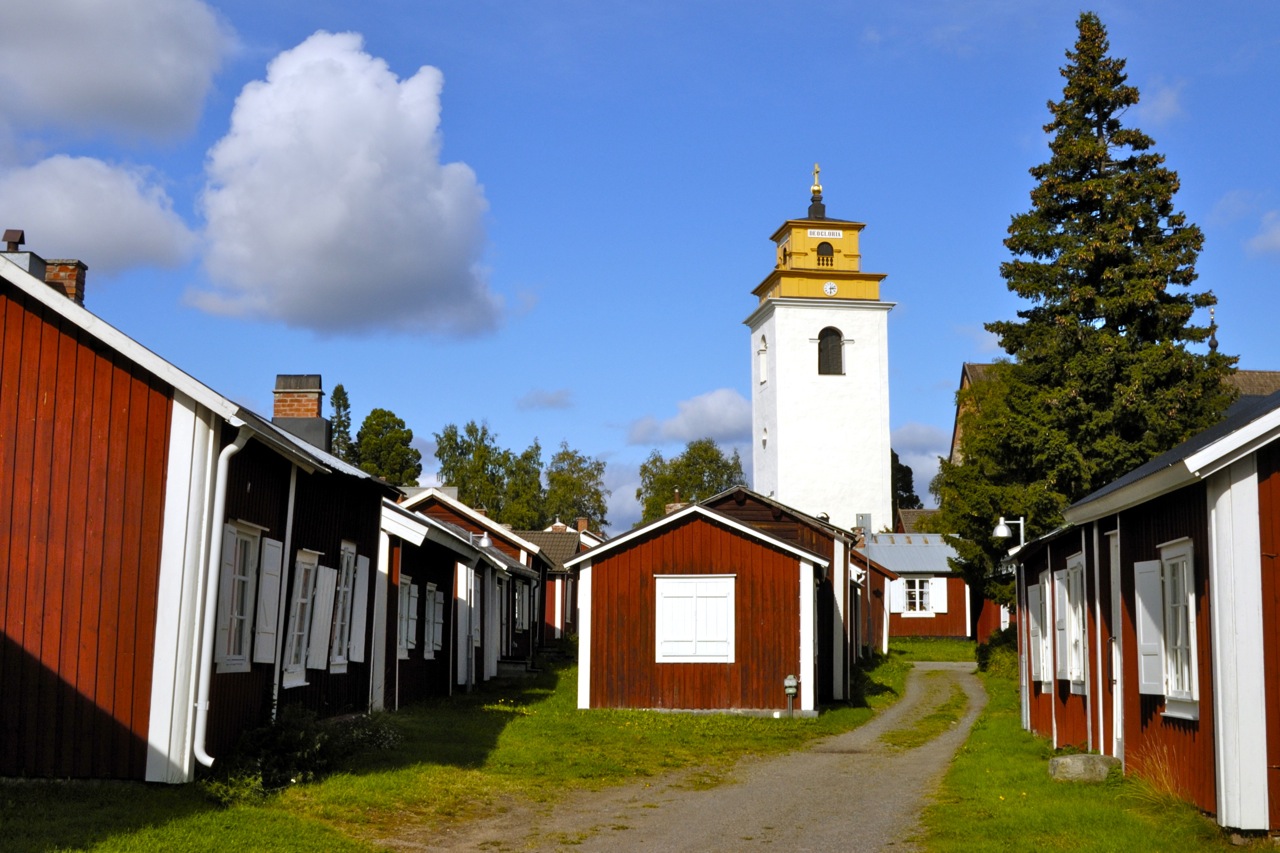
(829, 288)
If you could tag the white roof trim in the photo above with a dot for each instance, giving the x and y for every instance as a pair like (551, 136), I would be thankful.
(482, 520)
(1196, 466)
(89, 322)
(698, 509)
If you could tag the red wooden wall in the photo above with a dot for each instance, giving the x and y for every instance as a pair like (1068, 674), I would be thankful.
(83, 449)
(949, 624)
(767, 627)
(1269, 514)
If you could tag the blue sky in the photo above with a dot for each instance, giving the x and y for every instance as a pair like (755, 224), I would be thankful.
(550, 215)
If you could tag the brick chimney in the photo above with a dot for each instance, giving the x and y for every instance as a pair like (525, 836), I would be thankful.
(67, 277)
(298, 402)
(64, 276)
(582, 523)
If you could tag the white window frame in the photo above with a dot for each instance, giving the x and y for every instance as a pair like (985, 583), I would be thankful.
(343, 601)
(1165, 591)
(694, 618)
(238, 582)
(1035, 630)
(1046, 638)
(306, 567)
(915, 596)
(918, 597)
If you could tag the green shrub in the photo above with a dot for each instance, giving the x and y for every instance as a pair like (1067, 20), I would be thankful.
(999, 654)
(297, 747)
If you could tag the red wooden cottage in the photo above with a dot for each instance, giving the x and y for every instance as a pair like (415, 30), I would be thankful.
(500, 594)
(173, 565)
(1152, 630)
(558, 544)
(927, 598)
(698, 611)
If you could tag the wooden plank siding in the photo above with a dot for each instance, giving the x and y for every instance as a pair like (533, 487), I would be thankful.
(624, 673)
(775, 522)
(1269, 516)
(83, 447)
(1180, 750)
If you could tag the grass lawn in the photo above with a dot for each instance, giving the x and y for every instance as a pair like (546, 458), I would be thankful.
(463, 757)
(997, 796)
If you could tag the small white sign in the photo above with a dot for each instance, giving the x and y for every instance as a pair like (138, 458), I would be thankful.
(822, 232)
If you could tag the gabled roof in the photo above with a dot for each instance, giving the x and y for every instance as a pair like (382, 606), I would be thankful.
(556, 546)
(483, 521)
(825, 527)
(496, 556)
(306, 456)
(909, 519)
(1250, 426)
(703, 512)
(910, 553)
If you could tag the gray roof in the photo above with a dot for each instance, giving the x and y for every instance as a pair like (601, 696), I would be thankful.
(556, 546)
(910, 553)
(510, 564)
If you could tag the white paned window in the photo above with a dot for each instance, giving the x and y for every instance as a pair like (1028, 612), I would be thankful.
(433, 628)
(694, 622)
(343, 598)
(1035, 631)
(1166, 599)
(1070, 621)
(916, 595)
(238, 582)
(300, 609)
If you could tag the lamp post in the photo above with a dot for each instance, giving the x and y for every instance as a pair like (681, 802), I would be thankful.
(1002, 530)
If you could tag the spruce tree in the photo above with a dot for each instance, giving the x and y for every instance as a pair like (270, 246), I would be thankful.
(385, 445)
(340, 426)
(1101, 377)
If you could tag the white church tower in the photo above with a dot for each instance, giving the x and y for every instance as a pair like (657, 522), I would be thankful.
(820, 374)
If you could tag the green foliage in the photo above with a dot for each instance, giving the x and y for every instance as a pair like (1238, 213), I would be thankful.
(699, 472)
(1101, 378)
(384, 446)
(297, 747)
(904, 487)
(575, 487)
(931, 649)
(340, 426)
(999, 654)
(510, 485)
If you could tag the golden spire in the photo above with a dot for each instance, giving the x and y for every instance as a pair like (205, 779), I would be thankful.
(816, 189)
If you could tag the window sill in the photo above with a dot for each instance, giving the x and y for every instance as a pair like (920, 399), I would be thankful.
(917, 614)
(233, 666)
(338, 668)
(1077, 688)
(293, 680)
(1181, 709)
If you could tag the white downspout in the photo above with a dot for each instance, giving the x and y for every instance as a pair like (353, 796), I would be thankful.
(211, 595)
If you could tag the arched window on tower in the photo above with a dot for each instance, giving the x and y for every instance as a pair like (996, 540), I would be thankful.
(826, 254)
(762, 360)
(831, 352)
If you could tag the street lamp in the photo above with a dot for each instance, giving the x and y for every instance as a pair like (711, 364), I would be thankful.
(1002, 530)
(482, 539)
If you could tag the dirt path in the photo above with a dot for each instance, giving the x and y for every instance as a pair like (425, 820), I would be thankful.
(848, 792)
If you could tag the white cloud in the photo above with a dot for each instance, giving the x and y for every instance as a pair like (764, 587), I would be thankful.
(110, 217)
(539, 398)
(132, 66)
(723, 414)
(328, 207)
(1267, 240)
(982, 340)
(918, 446)
(625, 511)
(1160, 104)
(1233, 206)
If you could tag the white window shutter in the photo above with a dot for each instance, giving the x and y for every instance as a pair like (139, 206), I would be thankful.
(359, 610)
(321, 618)
(412, 618)
(225, 576)
(677, 615)
(1150, 627)
(437, 634)
(714, 617)
(1036, 630)
(429, 628)
(897, 595)
(1061, 644)
(268, 618)
(938, 595)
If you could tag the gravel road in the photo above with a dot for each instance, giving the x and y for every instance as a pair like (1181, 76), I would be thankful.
(848, 793)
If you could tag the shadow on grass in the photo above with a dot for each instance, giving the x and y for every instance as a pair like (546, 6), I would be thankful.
(37, 815)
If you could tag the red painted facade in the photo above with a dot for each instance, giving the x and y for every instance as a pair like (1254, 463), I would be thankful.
(83, 445)
(767, 595)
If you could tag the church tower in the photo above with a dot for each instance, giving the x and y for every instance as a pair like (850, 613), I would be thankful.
(820, 374)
